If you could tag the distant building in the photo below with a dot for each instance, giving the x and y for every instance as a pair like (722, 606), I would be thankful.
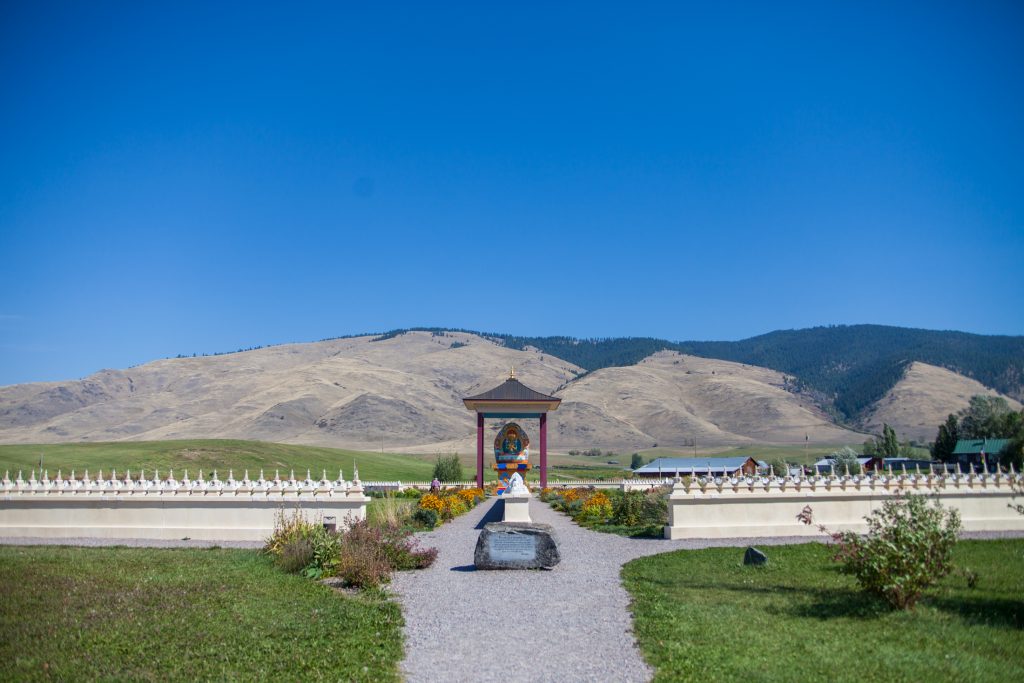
(979, 451)
(699, 467)
(878, 464)
(867, 464)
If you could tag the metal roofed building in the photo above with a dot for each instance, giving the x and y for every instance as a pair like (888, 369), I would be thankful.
(979, 451)
(697, 467)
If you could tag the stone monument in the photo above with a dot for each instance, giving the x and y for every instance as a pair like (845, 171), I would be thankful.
(516, 545)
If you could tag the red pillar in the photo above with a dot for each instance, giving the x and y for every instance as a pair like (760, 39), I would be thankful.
(543, 450)
(480, 450)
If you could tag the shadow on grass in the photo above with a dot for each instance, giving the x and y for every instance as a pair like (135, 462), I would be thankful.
(997, 612)
(846, 603)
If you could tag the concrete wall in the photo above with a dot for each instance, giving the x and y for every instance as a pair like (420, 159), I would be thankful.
(167, 509)
(756, 506)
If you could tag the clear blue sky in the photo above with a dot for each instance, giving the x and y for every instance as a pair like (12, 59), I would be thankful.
(199, 177)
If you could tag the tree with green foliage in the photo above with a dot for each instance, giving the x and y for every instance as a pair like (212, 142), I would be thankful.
(890, 445)
(778, 467)
(845, 459)
(448, 469)
(987, 417)
(636, 462)
(1013, 453)
(945, 440)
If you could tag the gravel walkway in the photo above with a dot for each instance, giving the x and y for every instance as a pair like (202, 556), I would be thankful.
(571, 623)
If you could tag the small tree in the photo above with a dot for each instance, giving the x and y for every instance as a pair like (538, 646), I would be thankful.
(945, 440)
(890, 445)
(636, 462)
(908, 547)
(845, 458)
(778, 467)
(448, 468)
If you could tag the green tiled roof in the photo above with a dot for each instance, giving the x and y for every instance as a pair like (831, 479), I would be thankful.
(974, 446)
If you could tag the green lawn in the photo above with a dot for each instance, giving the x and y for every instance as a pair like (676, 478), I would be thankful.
(144, 614)
(702, 615)
(208, 454)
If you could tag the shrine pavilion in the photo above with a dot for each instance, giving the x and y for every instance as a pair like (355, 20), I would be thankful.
(512, 400)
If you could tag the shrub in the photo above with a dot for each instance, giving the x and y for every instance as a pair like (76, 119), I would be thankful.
(361, 562)
(368, 555)
(908, 547)
(628, 508)
(426, 517)
(295, 555)
(361, 556)
(448, 468)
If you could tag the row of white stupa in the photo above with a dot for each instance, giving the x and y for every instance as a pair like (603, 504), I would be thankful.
(144, 484)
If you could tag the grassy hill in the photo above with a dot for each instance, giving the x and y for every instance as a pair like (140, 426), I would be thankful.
(227, 454)
(210, 454)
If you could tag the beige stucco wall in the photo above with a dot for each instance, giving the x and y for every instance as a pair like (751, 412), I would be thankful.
(215, 512)
(738, 509)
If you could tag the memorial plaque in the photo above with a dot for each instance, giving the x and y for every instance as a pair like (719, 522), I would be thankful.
(513, 548)
(516, 545)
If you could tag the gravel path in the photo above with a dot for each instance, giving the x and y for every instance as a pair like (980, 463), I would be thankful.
(571, 623)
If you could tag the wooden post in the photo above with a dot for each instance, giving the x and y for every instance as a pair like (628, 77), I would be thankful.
(543, 450)
(479, 450)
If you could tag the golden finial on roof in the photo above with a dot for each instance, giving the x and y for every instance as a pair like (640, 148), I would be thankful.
(512, 373)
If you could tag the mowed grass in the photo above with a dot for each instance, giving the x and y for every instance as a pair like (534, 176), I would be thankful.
(210, 454)
(185, 615)
(702, 615)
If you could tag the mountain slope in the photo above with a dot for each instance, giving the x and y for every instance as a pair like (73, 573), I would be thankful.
(403, 390)
(922, 399)
(674, 399)
(846, 367)
(407, 389)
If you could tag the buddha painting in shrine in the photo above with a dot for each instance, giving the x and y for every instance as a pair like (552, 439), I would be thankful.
(512, 444)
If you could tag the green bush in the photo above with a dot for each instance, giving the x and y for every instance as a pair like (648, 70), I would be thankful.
(427, 518)
(627, 508)
(448, 468)
(908, 547)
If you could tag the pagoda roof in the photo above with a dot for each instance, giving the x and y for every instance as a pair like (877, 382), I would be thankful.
(511, 390)
(512, 393)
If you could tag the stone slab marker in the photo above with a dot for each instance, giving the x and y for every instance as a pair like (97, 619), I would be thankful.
(516, 545)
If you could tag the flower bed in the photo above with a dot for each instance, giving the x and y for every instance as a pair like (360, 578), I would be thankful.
(445, 505)
(361, 556)
(635, 513)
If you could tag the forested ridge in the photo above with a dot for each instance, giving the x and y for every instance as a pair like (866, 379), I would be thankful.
(849, 367)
